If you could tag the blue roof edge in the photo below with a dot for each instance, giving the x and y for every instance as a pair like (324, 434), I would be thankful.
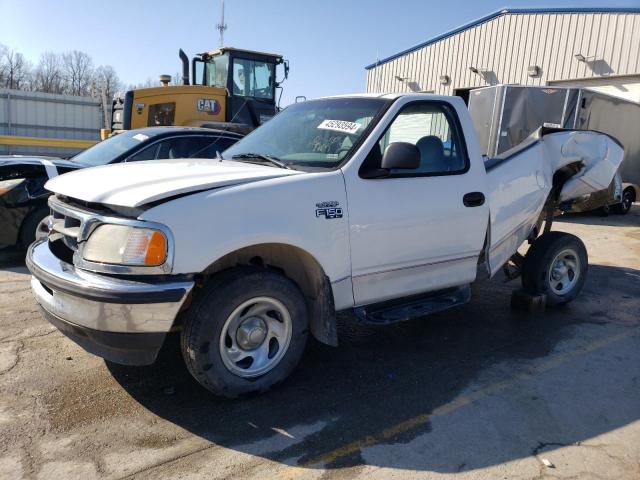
(503, 11)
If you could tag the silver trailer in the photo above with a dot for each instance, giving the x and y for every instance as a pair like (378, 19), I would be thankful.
(36, 123)
(505, 115)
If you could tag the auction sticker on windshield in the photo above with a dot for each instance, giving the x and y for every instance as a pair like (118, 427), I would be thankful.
(339, 126)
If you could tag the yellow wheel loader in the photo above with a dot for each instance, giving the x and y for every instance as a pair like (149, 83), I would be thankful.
(229, 88)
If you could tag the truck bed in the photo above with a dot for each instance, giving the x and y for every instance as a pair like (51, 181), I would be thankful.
(520, 181)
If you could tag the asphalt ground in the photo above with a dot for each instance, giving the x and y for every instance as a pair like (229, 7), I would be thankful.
(479, 391)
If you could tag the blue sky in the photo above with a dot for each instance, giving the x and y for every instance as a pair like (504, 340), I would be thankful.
(328, 42)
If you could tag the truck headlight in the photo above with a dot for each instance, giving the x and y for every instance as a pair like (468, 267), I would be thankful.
(124, 245)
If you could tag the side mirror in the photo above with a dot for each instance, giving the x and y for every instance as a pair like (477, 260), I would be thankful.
(401, 155)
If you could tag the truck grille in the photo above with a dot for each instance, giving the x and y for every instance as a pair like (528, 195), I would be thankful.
(70, 226)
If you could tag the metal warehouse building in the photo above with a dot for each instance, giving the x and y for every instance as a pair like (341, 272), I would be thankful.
(597, 48)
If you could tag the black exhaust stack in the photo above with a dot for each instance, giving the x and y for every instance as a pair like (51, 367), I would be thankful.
(185, 67)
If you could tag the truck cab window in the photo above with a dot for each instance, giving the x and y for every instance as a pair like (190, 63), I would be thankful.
(430, 127)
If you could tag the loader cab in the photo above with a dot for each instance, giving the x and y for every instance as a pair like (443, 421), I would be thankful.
(249, 78)
(228, 88)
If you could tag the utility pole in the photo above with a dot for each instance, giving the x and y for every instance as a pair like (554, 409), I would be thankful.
(221, 27)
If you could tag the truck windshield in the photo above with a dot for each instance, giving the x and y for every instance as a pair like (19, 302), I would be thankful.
(317, 133)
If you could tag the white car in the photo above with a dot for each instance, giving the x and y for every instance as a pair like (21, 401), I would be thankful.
(378, 203)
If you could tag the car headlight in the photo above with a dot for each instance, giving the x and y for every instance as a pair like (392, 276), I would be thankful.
(124, 245)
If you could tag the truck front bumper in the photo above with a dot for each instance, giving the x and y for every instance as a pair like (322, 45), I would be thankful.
(122, 320)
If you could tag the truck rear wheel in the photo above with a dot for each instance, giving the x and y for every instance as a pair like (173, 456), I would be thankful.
(555, 265)
(245, 332)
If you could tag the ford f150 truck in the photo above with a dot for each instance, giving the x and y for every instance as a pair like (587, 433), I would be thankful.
(378, 203)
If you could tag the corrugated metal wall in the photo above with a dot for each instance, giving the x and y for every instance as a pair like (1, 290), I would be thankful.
(507, 45)
(46, 115)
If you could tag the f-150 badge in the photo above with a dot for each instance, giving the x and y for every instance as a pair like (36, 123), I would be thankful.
(328, 210)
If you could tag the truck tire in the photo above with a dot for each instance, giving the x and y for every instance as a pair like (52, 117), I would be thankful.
(628, 197)
(245, 331)
(555, 265)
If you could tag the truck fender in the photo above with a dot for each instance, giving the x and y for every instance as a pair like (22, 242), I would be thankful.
(301, 267)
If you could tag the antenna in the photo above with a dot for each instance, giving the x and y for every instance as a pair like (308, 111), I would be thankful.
(221, 27)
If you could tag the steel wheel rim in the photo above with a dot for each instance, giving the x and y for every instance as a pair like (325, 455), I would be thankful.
(564, 272)
(255, 337)
(626, 201)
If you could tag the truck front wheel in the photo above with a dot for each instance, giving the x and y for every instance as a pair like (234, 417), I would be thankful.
(245, 331)
(555, 265)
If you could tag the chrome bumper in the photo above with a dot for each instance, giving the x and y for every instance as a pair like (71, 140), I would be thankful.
(96, 307)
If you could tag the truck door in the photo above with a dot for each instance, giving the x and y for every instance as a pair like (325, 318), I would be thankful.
(418, 230)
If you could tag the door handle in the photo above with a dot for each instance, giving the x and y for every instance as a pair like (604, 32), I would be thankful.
(473, 199)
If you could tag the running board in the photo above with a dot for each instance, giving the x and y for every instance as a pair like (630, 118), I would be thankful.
(403, 309)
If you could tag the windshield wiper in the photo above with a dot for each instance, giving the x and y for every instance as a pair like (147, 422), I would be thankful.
(261, 156)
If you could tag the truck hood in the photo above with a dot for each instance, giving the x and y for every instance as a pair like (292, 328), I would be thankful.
(139, 183)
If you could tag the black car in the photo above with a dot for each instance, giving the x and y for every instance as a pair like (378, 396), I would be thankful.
(23, 198)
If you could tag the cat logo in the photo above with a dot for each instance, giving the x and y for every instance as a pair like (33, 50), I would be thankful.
(210, 106)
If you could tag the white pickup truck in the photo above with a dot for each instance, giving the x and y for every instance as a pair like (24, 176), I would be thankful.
(377, 203)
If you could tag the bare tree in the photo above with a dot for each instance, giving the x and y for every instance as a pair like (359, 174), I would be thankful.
(78, 72)
(107, 84)
(16, 70)
(3, 65)
(176, 79)
(48, 75)
(149, 82)
(71, 73)
(107, 79)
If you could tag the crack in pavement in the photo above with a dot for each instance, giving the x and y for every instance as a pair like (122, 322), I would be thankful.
(16, 353)
(170, 460)
(12, 338)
